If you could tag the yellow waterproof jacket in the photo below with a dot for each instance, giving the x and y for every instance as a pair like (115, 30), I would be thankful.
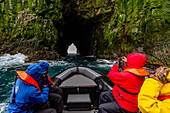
(147, 98)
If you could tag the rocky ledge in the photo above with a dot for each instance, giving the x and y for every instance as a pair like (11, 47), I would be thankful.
(30, 48)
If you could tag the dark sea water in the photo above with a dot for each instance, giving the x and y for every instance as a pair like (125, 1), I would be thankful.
(9, 64)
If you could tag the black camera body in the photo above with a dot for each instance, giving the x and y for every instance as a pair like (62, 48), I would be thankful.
(44, 79)
(44, 76)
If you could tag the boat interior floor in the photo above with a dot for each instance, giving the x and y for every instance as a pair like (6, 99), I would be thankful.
(81, 88)
(92, 111)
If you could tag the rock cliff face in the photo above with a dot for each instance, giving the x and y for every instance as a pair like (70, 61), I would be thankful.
(103, 28)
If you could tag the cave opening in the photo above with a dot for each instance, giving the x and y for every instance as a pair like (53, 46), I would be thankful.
(75, 30)
(72, 49)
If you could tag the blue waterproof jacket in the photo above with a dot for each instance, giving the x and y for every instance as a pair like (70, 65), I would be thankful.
(26, 95)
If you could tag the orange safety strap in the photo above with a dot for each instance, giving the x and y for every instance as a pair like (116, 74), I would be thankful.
(163, 97)
(139, 72)
(49, 79)
(22, 75)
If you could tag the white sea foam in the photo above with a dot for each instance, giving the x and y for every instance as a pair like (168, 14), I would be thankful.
(57, 63)
(3, 107)
(105, 63)
(8, 60)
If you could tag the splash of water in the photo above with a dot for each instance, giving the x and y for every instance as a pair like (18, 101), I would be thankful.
(8, 61)
(3, 107)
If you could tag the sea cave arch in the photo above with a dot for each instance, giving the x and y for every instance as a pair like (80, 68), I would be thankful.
(77, 32)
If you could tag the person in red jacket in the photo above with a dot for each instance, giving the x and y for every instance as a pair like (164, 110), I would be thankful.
(123, 97)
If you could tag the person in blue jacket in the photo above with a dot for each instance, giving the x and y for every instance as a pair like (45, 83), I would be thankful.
(55, 93)
(26, 92)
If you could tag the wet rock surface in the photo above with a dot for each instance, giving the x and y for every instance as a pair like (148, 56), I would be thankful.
(30, 48)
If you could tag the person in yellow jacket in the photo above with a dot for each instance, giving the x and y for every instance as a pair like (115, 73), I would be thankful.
(154, 96)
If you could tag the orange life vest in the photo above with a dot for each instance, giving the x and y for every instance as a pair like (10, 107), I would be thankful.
(139, 72)
(163, 97)
(22, 75)
(50, 81)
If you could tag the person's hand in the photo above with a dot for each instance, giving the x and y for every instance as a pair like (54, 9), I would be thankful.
(117, 62)
(124, 59)
(161, 74)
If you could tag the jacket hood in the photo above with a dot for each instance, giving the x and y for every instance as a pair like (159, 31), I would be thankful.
(34, 71)
(136, 60)
(44, 65)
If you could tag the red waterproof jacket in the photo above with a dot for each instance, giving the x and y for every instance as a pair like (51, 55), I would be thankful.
(128, 82)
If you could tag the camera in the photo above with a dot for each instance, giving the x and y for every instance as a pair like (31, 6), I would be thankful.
(121, 62)
(43, 76)
(44, 79)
